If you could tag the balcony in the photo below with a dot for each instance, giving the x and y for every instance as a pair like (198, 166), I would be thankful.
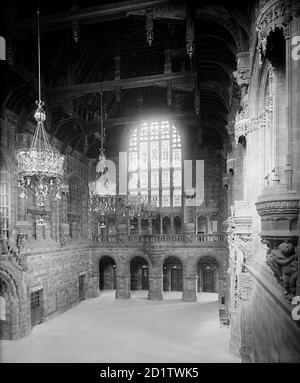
(178, 240)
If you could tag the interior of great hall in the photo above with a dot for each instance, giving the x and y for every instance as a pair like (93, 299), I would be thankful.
(150, 181)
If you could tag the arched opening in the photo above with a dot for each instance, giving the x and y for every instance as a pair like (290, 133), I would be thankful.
(202, 225)
(177, 225)
(207, 271)
(145, 228)
(166, 225)
(156, 225)
(213, 224)
(139, 274)
(111, 228)
(173, 270)
(154, 154)
(134, 226)
(7, 314)
(107, 273)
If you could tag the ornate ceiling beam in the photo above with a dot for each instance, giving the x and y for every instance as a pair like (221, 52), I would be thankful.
(111, 85)
(91, 15)
(184, 117)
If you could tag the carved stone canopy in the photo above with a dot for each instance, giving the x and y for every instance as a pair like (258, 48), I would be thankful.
(279, 210)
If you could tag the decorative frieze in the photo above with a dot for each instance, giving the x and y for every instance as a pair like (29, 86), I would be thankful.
(245, 125)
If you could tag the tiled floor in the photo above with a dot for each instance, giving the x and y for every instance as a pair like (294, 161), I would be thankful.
(108, 330)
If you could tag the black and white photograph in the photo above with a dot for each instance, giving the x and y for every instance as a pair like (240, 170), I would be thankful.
(149, 185)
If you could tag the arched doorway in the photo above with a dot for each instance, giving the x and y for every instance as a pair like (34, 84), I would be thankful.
(107, 273)
(172, 280)
(139, 274)
(207, 271)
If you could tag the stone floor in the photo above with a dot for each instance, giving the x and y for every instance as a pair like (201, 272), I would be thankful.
(107, 330)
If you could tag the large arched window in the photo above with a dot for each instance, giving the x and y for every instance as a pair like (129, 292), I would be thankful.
(155, 163)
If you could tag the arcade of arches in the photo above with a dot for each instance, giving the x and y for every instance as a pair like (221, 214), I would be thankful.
(200, 109)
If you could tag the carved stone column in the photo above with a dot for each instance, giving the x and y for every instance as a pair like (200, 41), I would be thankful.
(122, 285)
(189, 283)
(123, 279)
(155, 278)
(239, 240)
(244, 293)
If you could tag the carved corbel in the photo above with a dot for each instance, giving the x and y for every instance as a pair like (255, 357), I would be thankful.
(279, 210)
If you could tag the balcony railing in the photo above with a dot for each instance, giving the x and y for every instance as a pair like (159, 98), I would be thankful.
(174, 239)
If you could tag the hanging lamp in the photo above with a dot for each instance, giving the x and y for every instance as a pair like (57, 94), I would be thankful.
(39, 167)
(102, 190)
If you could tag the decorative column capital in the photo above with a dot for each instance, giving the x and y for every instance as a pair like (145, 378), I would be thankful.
(279, 211)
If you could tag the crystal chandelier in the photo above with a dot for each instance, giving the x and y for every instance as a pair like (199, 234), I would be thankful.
(102, 191)
(39, 167)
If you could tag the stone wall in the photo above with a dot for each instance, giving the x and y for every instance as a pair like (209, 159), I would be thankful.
(275, 336)
(57, 272)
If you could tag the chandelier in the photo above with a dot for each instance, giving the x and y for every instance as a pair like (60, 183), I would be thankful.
(102, 190)
(38, 167)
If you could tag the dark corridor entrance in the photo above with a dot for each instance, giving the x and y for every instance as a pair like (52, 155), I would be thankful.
(81, 287)
(207, 270)
(139, 274)
(208, 281)
(172, 275)
(107, 273)
(36, 306)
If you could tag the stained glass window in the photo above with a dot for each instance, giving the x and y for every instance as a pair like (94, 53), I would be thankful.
(155, 163)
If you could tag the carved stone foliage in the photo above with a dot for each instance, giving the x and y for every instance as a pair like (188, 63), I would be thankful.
(278, 15)
(245, 125)
(283, 261)
(240, 247)
(11, 248)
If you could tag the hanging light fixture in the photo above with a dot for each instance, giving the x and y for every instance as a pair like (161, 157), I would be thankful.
(149, 26)
(39, 167)
(102, 191)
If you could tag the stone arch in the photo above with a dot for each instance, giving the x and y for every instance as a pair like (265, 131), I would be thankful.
(166, 224)
(16, 323)
(221, 259)
(202, 224)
